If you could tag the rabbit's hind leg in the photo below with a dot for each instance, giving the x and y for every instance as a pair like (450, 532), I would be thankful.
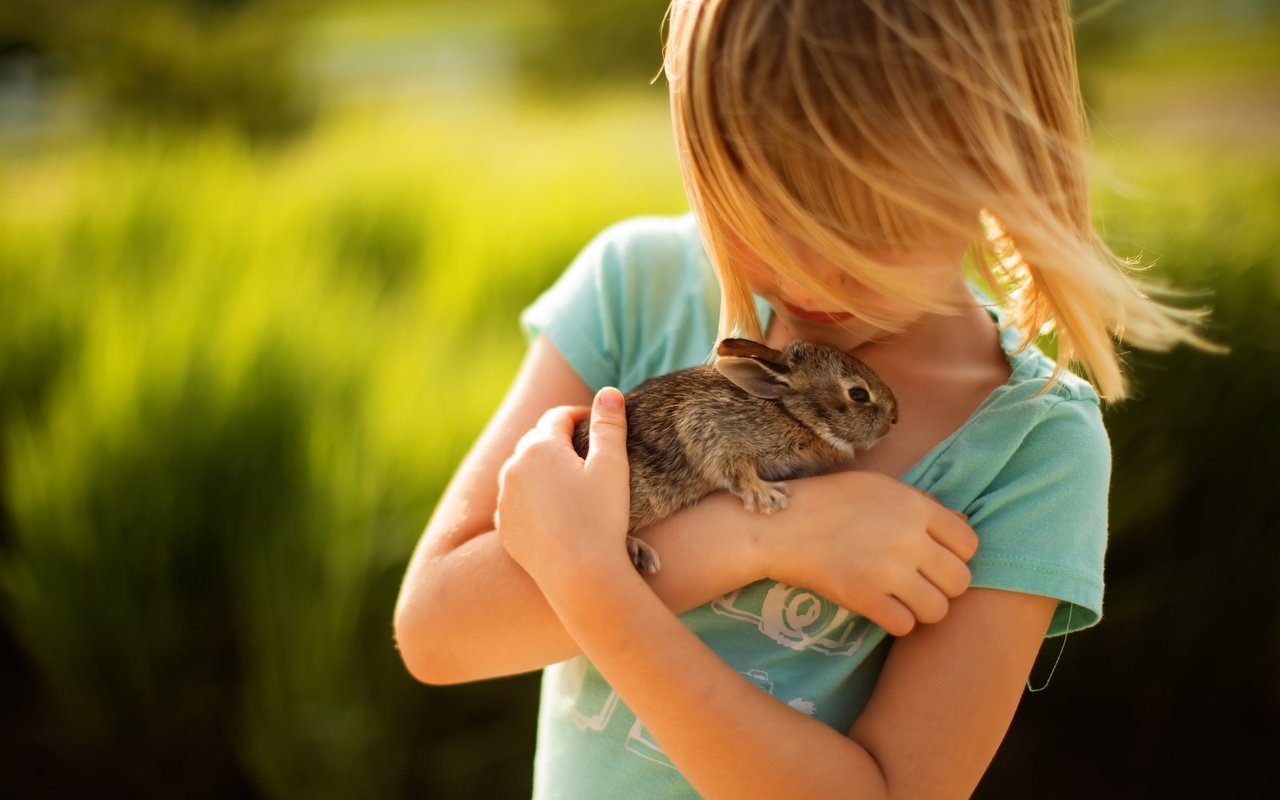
(643, 556)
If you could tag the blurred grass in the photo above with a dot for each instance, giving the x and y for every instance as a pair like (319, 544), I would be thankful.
(1190, 638)
(234, 384)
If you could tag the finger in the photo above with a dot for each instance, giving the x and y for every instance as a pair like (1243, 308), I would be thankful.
(945, 570)
(608, 434)
(556, 421)
(552, 434)
(923, 599)
(578, 413)
(951, 530)
(954, 531)
(891, 614)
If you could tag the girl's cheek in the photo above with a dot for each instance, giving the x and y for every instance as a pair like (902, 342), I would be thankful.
(753, 268)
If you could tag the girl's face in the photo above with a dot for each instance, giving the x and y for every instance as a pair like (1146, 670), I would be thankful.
(807, 316)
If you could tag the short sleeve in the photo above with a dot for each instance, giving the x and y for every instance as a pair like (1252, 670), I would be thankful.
(580, 313)
(640, 300)
(1042, 522)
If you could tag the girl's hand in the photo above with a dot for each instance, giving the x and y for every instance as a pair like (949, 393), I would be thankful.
(873, 545)
(558, 514)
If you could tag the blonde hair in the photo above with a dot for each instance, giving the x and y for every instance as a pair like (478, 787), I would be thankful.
(865, 128)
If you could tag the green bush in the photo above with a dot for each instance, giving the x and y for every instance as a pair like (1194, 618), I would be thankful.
(1190, 639)
(181, 64)
(233, 386)
(575, 44)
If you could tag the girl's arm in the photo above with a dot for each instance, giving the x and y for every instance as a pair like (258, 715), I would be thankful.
(941, 707)
(467, 611)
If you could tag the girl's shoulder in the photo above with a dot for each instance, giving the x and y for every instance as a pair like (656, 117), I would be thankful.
(669, 244)
(1031, 469)
(1042, 423)
(639, 300)
(1043, 404)
(649, 268)
(1034, 377)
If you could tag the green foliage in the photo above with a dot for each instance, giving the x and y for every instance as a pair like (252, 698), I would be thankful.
(233, 386)
(184, 64)
(579, 43)
(1190, 638)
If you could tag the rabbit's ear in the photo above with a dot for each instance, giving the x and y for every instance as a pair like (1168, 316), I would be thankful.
(755, 376)
(745, 348)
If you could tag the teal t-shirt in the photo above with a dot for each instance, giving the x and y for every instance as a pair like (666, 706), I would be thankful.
(1030, 467)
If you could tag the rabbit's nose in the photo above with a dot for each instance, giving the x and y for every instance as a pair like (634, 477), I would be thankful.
(886, 425)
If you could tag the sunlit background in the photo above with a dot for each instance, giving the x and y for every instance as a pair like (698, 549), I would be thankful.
(260, 262)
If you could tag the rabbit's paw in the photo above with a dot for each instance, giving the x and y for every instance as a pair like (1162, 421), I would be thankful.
(643, 556)
(766, 498)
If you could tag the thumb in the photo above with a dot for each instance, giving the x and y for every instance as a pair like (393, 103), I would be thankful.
(608, 435)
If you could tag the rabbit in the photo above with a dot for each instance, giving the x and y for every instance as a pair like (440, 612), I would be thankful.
(751, 420)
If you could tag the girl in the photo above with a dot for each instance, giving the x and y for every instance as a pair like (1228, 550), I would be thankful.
(841, 159)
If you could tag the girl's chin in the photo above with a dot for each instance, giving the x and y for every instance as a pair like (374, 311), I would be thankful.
(821, 317)
(839, 330)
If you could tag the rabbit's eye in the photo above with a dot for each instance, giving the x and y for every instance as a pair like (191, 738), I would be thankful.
(859, 395)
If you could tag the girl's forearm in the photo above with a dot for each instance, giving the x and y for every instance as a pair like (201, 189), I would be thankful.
(471, 612)
(468, 611)
(690, 700)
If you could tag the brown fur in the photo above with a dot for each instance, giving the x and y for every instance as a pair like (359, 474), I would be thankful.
(755, 418)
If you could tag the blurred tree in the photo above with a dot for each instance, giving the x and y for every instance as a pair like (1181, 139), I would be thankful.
(1175, 694)
(571, 42)
(583, 43)
(1110, 29)
(179, 63)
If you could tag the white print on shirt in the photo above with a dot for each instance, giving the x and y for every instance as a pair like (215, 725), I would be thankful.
(799, 619)
(570, 676)
(792, 617)
(642, 743)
